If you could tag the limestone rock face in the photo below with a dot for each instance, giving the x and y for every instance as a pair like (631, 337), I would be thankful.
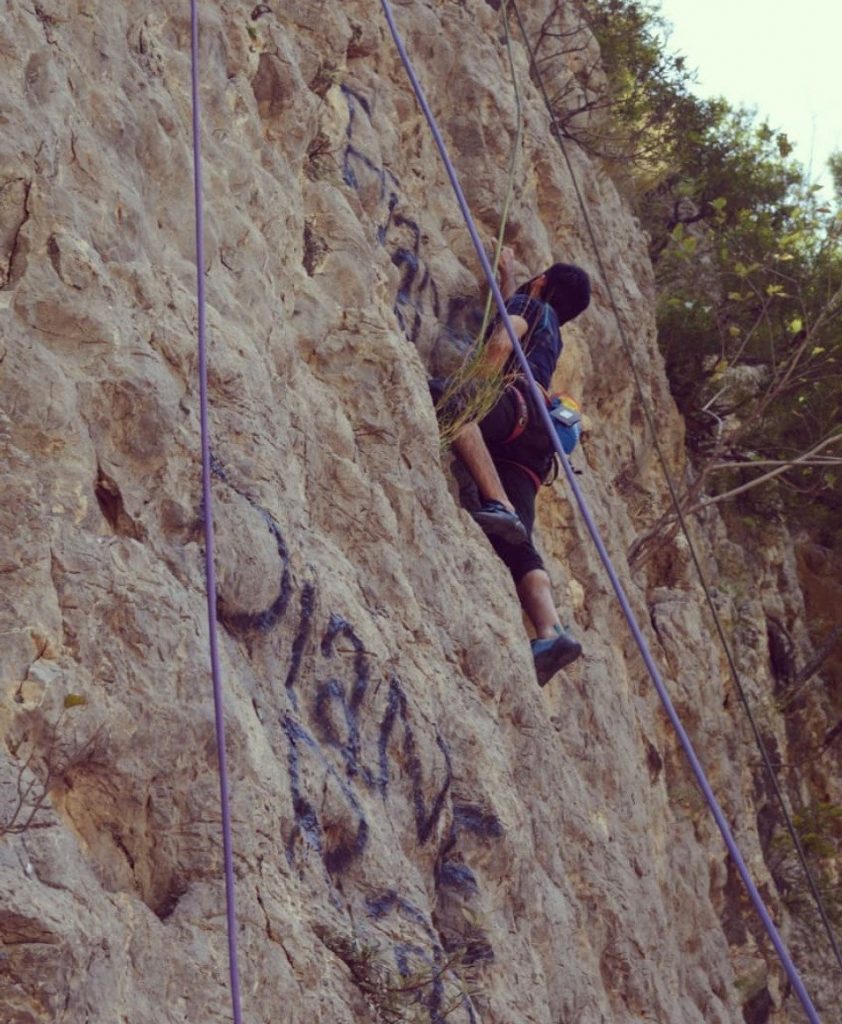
(420, 832)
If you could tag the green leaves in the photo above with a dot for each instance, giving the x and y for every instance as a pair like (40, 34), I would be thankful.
(747, 250)
(747, 254)
(684, 244)
(743, 270)
(784, 145)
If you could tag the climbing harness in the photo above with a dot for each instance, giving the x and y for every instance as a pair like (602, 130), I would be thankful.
(207, 515)
(564, 412)
(679, 513)
(567, 423)
(534, 478)
(531, 452)
(522, 414)
(639, 638)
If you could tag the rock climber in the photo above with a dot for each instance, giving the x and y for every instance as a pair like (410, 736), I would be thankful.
(508, 453)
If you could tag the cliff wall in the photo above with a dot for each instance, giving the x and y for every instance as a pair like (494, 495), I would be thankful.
(421, 833)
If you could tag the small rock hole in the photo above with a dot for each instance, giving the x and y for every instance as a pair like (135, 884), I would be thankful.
(111, 504)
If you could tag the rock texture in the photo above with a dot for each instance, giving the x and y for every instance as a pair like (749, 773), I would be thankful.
(421, 834)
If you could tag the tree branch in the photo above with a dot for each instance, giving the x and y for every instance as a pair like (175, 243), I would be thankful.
(824, 461)
(716, 499)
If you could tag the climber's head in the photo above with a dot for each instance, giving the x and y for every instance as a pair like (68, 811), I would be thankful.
(565, 287)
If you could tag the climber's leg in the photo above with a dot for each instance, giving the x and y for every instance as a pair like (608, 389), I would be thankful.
(471, 449)
(552, 648)
(497, 515)
(536, 596)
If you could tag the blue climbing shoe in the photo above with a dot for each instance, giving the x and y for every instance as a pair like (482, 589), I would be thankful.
(497, 521)
(554, 654)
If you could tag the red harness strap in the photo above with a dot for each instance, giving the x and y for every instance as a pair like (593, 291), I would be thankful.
(536, 480)
(519, 427)
(523, 410)
(522, 414)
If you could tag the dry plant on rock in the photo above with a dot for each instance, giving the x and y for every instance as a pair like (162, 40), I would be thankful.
(402, 994)
(40, 761)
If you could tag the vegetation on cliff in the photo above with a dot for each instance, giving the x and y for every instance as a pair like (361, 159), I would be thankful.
(748, 258)
(748, 263)
(747, 254)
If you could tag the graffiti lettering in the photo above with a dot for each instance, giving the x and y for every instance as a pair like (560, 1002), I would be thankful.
(397, 710)
(299, 644)
(342, 839)
(417, 292)
(440, 1004)
(265, 620)
(329, 756)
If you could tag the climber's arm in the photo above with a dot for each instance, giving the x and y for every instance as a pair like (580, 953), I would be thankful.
(506, 270)
(496, 351)
(498, 348)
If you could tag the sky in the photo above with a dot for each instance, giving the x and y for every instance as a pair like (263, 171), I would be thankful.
(783, 59)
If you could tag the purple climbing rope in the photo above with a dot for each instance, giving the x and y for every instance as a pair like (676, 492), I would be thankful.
(207, 512)
(639, 638)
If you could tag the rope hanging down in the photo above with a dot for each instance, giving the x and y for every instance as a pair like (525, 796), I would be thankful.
(640, 640)
(510, 178)
(466, 374)
(676, 502)
(207, 513)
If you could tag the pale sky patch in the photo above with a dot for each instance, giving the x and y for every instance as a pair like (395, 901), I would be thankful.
(783, 60)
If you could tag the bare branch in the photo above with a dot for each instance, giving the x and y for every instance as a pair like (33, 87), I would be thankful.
(717, 498)
(751, 464)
